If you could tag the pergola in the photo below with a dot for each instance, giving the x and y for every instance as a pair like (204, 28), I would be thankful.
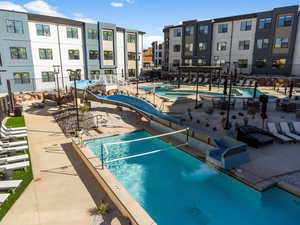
(199, 70)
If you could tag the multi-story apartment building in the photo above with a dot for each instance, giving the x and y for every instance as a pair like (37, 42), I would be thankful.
(32, 44)
(258, 43)
(147, 57)
(157, 53)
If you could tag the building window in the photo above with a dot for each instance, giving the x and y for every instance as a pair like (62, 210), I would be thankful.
(243, 63)
(159, 54)
(72, 32)
(189, 30)
(131, 56)
(131, 72)
(93, 54)
(246, 25)
(189, 49)
(244, 45)
(221, 46)
(260, 63)
(73, 54)
(14, 26)
(281, 43)
(108, 55)
(108, 72)
(202, 46)
(285, 21)
(42, 30)
(48, 76)
(95, 74)
(262, 43)
(176, 48)
(107, 35)
(18, 53)
(203, 29)
(21, 78)
(220, 62)
(176, 62)
(45, 53)
(177, 32)
(278, 64)
(160, 46)
(131, 38)
(188, 62)
(202, 62)
(265, 23)
(223, 28)
(92, 34)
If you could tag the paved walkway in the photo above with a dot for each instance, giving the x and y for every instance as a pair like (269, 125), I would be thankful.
(57, 194)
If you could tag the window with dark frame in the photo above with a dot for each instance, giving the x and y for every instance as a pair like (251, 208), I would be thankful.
(14, 26)
(202, 46)
(45, 53)
(48, 76)
(95, 74)
(223, 28)
(281, 43)
(260, 63)
(176, 48)
(279, 63)
(131, 72)
(177, 33)
(246, 25)
(189, 30)
(72, 32)
(43, 30)
(21, 78)
(108, 72)
(285, 21)
(202, 62)
(18, 53)
(131, 56)
(176, 62)
(244, 45)
(92, 34)
(221, 46)
(107, 35)
(262, 43)
(93, 54)
(131, 38)
(203, 29)
(265, 23)
(108, 55)
(73, 54)
(243, 63)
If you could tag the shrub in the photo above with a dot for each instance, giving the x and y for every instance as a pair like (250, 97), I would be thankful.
(103, 208)
(209, 110)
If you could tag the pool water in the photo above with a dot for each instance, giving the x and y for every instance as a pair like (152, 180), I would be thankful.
(175, 188)
(166, 91)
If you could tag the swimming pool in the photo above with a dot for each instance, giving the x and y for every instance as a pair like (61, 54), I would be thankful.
(175, 188)
(166, 91)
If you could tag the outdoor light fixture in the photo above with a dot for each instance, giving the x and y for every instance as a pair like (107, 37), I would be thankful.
(56, 72)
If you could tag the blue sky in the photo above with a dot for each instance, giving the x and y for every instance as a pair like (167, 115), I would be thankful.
(146, 15)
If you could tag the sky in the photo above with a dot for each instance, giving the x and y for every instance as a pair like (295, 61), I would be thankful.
(149, 16)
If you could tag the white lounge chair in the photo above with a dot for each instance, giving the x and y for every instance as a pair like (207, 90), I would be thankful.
(247, 83)
(13, 149)
(222, 81)
(273, 130)
(3, 197)
(10, 136)
(14, 128)
(11, 144)
(14, 166)
(6, 130)
(205, 81)
(6, 185)
(240, 83)
(286, 131)
(296, 126)
(13, 159)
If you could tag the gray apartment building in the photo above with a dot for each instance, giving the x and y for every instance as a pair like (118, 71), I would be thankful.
(257, 43)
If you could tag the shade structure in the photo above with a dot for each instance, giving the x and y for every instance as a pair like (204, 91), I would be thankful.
(291, 90)
(255, 89)
(225, 87)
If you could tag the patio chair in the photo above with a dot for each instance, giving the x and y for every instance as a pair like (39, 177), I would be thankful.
(12, 129)
(12, 144)
(7, 185)
(246, 83)
(240, 83)
(205, 81)
(13, 159)
(273, 130)
(5, 135)
(252, 83)
(194, 80)
(13, 149)
(14, 166)
(285, 129)
(296, 127)
(12, 132)
(3, 197)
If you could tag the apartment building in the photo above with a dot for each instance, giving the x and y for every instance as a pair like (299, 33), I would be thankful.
(157, 53)
(32, 44)
(257, 43)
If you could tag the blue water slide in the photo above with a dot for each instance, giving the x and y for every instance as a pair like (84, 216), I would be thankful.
(129, 101)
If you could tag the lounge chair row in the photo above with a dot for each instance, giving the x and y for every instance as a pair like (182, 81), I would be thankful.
(285, 132)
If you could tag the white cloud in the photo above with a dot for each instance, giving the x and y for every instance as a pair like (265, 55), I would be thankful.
(80, 17)
(116, 4)
(149, 39)
(42, 7)
(12, 6)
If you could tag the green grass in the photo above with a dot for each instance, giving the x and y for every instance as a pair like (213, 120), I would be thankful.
(17, 121)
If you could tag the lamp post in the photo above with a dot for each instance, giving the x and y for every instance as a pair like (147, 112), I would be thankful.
(228, 104)
(216, 58)
(56, 72)
(75, 75)
(197, 88)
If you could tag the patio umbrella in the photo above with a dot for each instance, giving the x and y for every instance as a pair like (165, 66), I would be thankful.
(225, 87)
(291, 90)
(255, 88)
